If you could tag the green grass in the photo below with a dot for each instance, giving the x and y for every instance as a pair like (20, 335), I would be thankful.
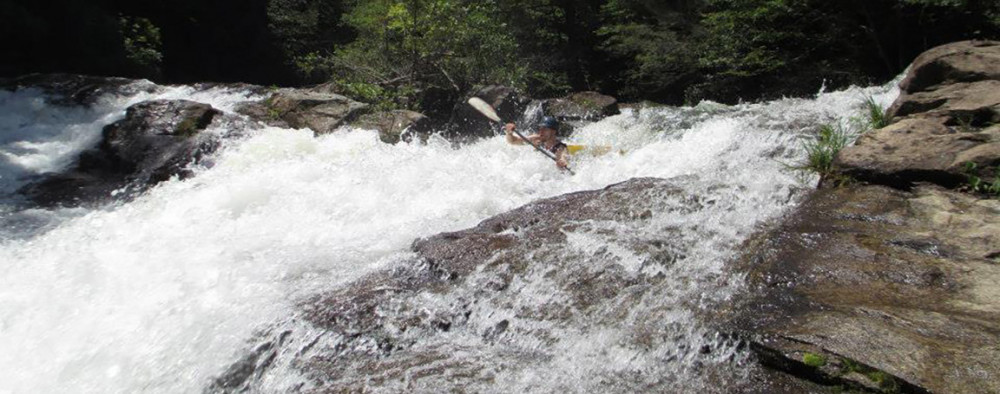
(814, 360)
(876, 115)
(976, 184)
(965, 124)
(821, 151)
(886, 383)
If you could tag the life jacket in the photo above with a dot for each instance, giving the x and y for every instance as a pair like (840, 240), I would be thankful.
(556, 147)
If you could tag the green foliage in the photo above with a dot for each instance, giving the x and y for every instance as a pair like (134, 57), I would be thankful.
(821, 151)
(976, 184)
(746, 36)
(659, 53)
(142, 42)
(668, 51)
(965, 123)
(814, 360)
(885, 382)
(406, 47)
(877, 117)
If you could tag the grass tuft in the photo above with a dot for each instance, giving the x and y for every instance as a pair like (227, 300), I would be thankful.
(814, 360)
(877, 117)
(822, 150)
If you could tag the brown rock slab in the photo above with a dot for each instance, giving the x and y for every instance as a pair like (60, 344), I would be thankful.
(901, 283)
(318, 109)
(468, 301)
(582, 106)
(920, 149)
(963, 61)
(947, 117)
(975, 103)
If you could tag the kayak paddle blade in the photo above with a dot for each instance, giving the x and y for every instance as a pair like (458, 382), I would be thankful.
(484, 109)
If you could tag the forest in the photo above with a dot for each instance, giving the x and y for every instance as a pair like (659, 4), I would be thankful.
(413, 53)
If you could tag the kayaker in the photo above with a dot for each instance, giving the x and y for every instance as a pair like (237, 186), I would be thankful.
(545, 138)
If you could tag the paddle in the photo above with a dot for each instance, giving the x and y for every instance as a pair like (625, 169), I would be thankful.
(488, 111)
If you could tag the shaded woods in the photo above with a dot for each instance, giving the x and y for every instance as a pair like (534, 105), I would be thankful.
(411, 53)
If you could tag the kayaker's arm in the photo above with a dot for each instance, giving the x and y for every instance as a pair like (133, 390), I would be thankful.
(512, 138)
(561, 160)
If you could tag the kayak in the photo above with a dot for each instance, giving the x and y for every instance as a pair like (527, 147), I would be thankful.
(595, 150)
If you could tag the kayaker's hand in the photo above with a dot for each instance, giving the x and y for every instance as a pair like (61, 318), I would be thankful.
(562, 164)
(509, 128)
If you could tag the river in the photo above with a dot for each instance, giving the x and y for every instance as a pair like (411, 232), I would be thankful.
(163, 292)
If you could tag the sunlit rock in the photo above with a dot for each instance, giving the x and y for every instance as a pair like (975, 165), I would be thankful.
(318, 109)
(946, 123)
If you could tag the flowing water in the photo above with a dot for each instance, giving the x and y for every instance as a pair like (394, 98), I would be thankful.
(162, 293)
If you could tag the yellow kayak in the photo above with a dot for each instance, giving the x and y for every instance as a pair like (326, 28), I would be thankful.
(596, 150)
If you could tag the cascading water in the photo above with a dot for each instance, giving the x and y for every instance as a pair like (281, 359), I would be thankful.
(164, 292)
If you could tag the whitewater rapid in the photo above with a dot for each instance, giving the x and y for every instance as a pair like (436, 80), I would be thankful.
(162, 293)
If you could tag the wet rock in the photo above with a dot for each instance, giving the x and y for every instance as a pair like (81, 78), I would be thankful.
(964, 61)
(507, 101)
(71, 90)
(947, 117)
(895, 281)
(590, 106)
(318, 109)
(156, 141)
(391, 125)
(410, 326)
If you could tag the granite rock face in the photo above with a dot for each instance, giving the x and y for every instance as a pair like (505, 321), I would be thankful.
(508, 294)
(947, 117)
(964, 61)
(902, 282)
(893, 283)
(317, 108)
(588, 106)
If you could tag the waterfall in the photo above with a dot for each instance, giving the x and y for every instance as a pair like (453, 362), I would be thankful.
(162, 293)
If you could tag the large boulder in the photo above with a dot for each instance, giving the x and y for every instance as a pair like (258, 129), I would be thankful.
(318, 109)
(519, 288)
(972, 103)
(877, 288)
(155, 141)
(964, 61)
(947, 116)
(589, 106)
(392, 125)
(921, 149)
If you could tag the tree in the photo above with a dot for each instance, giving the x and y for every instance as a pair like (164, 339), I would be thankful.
(653, 45)
(405, 48)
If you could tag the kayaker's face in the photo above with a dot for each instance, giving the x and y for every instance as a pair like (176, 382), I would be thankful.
(546, 133)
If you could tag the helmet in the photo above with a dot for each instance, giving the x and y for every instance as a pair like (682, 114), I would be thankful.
(549, 122)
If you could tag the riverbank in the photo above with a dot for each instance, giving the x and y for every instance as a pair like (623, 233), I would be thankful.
(892, 283)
